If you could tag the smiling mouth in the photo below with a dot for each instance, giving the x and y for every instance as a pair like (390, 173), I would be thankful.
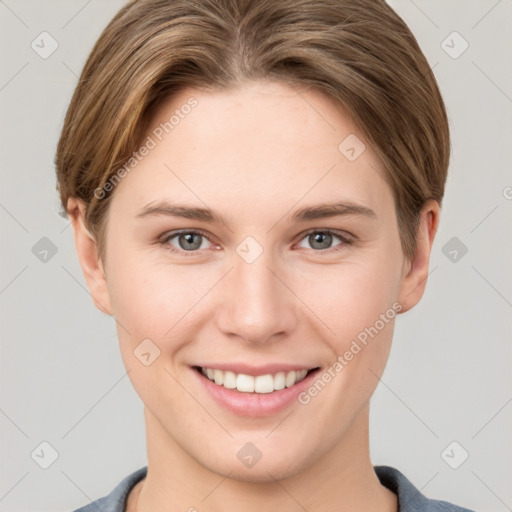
(262, 384)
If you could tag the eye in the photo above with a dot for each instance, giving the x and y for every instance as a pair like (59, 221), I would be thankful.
(321, 240)
(186, 241)
(191, 242)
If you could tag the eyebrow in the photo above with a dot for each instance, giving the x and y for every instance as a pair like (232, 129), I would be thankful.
(320, 211)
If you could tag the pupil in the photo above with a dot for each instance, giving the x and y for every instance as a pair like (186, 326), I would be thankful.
(321, 237)
(189, 241)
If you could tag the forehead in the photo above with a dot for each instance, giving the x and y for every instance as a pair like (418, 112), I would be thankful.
(256, 144)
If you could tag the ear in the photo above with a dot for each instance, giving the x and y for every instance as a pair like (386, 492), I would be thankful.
(415, 269)
(88, 255)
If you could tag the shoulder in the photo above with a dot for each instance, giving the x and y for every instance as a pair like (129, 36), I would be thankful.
(410, 499)
(116, 500)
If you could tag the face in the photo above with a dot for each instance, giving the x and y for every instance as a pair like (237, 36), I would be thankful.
(247, 241)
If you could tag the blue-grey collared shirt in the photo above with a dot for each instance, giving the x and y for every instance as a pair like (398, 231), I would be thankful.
(410, 499)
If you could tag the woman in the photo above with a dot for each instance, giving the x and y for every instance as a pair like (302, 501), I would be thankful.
(254, 189)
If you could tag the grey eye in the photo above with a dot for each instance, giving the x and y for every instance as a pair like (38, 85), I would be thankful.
(320, 240)
(189, 241)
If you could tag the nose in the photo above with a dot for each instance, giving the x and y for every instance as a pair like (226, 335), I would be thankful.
(257, 305)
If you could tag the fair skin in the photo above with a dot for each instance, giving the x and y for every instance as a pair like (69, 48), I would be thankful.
(255, 154)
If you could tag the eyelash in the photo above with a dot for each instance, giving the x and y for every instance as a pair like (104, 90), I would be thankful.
(346, 240)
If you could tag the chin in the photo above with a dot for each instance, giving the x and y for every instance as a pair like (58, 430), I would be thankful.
(264, 471)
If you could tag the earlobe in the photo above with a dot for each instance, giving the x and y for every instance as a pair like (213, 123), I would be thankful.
(88, 256)
(415, 274)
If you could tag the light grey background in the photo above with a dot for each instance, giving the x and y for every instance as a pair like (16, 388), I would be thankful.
(449, 375)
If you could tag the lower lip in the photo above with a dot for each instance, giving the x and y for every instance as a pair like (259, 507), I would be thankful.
(255, 404)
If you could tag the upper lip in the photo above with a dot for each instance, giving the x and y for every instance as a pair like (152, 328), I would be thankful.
(271, 368)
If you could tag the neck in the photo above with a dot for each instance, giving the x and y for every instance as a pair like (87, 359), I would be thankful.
(341, 479)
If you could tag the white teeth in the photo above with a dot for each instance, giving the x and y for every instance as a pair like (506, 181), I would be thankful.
(279, 381)
(218, 377)
(249, 384)
(245, 383)
(264, 384)
(290, 379)
(229, 380)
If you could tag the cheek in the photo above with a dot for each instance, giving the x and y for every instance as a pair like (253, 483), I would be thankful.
(157, 301)
(357, 302)
(152, 305)
(352, 297)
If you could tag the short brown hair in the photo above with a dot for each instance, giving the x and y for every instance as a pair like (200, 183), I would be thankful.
(358, 52)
